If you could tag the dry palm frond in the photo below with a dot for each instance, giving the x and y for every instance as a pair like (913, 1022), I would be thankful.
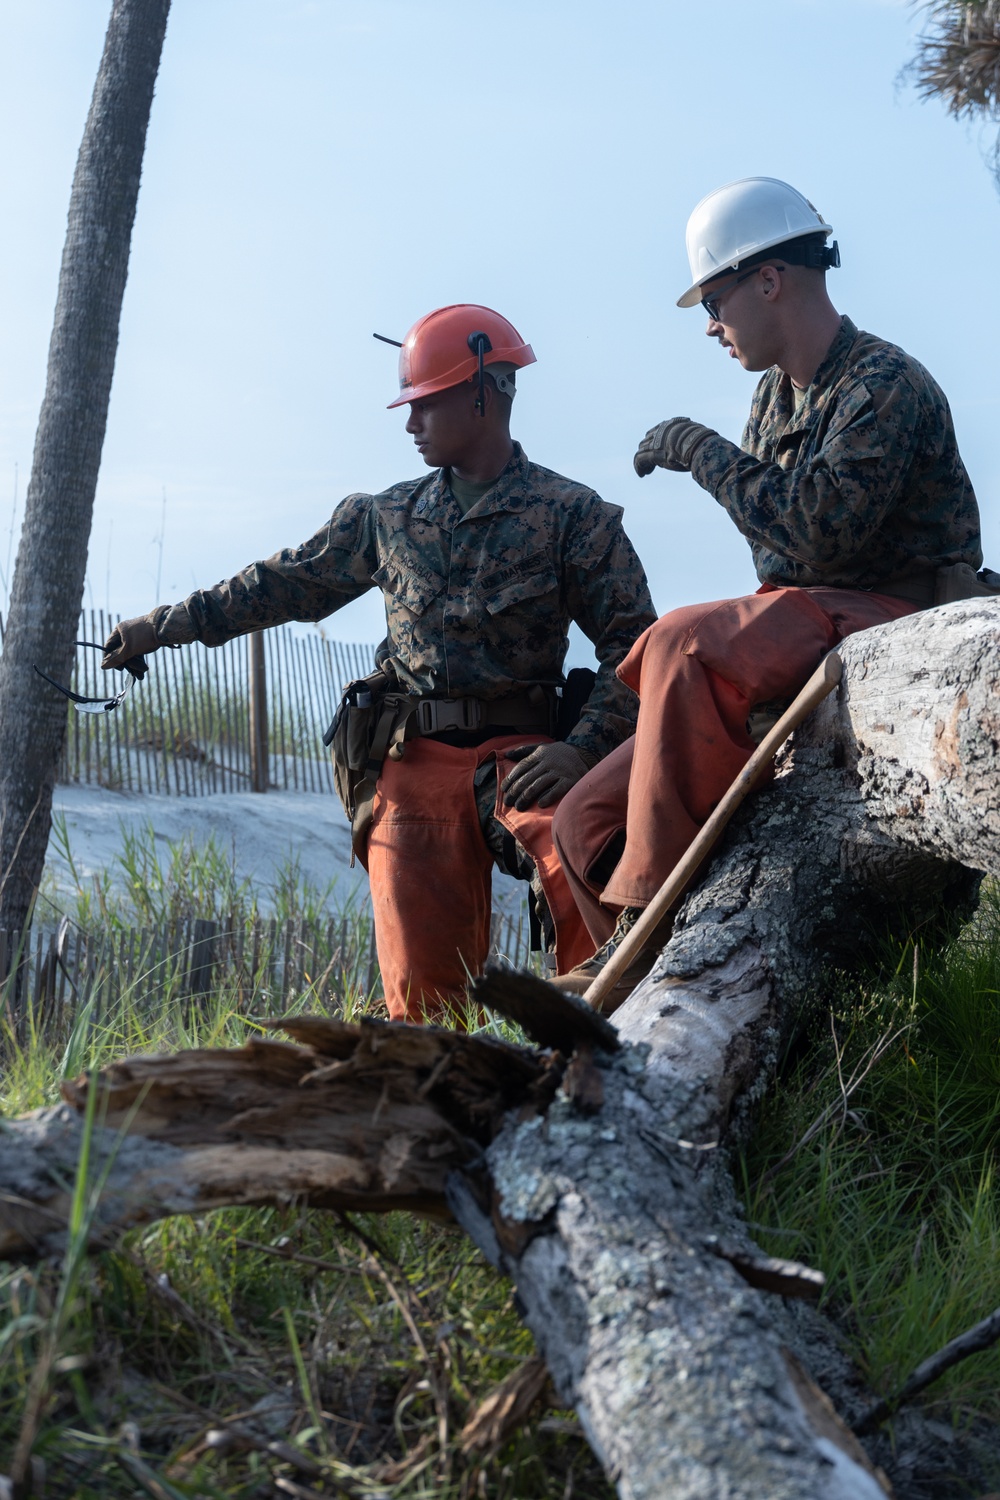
(958, 59)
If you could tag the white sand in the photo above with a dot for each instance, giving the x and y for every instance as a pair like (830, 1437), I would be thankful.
(263, 830)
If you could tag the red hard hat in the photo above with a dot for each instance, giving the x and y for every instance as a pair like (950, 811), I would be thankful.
(436, 352)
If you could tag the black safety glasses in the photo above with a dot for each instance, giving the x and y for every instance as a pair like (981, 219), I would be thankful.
(711, 304)
(92, 705)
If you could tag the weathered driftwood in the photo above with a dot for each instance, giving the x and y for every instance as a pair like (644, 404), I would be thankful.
(368, 1116)
(598, 1183)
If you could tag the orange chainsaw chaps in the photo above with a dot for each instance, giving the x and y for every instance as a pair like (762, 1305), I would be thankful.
(431, 876)
(533, 831)
(698, 672)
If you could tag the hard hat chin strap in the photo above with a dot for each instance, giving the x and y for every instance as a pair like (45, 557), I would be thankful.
(480, 344)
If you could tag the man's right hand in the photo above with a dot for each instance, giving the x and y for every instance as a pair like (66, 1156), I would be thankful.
(670, 445)
(129, 644)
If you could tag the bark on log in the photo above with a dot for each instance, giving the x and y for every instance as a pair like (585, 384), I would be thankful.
(370, 1116)
(601, 1186)
(678, 1370)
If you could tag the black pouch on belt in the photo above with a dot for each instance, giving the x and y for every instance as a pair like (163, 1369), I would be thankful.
(370, 720)
(577, 690)
(961, 581)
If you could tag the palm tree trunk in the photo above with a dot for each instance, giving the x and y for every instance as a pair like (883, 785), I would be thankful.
(52, 556)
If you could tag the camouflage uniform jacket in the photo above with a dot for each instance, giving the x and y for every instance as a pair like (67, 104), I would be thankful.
(476, 605)
(861, 485)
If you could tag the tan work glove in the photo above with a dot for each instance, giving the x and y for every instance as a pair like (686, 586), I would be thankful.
(545, 773)
(129, 644)
(670, 445)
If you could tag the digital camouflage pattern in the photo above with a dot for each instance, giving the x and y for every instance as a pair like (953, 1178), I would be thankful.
(861, 485)
(476, 605)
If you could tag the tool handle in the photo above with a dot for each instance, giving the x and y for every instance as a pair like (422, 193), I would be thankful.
(825, 678)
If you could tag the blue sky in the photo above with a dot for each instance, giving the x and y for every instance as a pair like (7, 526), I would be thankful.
(319, 169)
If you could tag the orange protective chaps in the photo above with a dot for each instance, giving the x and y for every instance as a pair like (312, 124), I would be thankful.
(431, 875)
(698, 672)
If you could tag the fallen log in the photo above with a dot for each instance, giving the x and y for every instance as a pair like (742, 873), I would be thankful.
(594, 1173)
(679, 1372)
(368, 1116)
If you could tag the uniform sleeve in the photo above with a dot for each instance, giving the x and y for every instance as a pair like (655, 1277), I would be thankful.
(609, 600)
(302, 583)
(823, 512)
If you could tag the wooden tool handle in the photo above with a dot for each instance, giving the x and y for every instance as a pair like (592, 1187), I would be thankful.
(821, 683)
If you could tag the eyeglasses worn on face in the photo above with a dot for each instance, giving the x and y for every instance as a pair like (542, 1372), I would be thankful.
(711, 304)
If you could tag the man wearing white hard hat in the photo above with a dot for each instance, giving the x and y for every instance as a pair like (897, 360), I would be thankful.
(849, 488)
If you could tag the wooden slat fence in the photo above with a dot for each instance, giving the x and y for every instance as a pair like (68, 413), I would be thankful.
(263, 967)
(185, 728)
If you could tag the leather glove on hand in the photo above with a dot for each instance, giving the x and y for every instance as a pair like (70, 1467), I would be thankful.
(129, 644)
(670, 445)
(545, 773)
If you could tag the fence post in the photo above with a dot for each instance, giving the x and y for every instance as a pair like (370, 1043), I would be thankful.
(258, 712)
(202, 960)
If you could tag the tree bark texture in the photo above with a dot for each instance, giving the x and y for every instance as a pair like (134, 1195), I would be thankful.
(621, 1230)
(51, 564)
(594, 1173)
(366, 1116)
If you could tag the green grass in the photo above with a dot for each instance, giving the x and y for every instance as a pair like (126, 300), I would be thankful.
(188, 1328)
(363, 1346)
(875, 1159)
(134, 1356)
(368, 1342)
(155, 881)
(131, 929)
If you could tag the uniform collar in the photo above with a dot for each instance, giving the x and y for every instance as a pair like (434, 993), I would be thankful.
(510, 492)
(836, 358)
(822, 383)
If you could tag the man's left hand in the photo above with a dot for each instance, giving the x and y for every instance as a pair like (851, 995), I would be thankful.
(670, 445)
(544, 773)
(129, 644)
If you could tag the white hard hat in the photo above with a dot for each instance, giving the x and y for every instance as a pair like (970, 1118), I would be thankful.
(740, 220)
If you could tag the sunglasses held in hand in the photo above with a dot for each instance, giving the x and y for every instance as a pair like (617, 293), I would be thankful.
(97, 705)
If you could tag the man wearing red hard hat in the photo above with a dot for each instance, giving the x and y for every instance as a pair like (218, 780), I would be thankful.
(453, 755)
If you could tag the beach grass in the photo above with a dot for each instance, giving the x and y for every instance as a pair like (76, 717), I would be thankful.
(875, 1158)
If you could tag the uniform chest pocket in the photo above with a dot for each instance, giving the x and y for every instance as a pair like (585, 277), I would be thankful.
(793, 448)
(506, 588)
(404, 586)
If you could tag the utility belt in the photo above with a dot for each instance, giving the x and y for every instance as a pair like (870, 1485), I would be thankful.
(925, 587)
(534, 711)
(376, 717)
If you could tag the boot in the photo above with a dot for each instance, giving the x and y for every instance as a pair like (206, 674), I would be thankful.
(579, 980)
